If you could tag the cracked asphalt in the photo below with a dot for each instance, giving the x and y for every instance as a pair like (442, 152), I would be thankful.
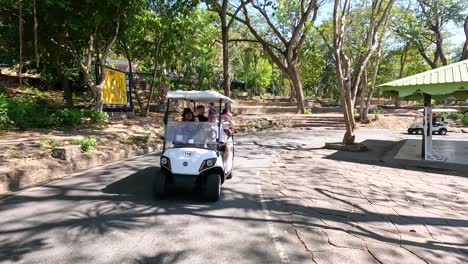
(290, 201)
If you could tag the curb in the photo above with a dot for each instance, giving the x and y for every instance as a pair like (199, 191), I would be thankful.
(29, 175)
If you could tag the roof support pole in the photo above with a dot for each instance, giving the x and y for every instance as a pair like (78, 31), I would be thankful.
(426, 149)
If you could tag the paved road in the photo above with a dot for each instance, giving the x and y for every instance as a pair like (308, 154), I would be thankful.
(107, 215)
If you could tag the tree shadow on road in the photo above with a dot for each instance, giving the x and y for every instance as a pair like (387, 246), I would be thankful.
(126, 204)
(11, 250)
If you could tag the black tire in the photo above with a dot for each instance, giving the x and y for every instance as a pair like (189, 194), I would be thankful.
(443, 131)
(213, 187)
(159, 185)
(419, 131)
(410, 131)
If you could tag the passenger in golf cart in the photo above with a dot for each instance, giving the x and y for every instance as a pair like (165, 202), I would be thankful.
(193, 154)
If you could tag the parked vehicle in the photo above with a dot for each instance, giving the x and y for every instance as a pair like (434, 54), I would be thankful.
(439, 127)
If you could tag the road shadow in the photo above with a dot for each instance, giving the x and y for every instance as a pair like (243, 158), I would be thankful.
(383, 152)
(11, 250)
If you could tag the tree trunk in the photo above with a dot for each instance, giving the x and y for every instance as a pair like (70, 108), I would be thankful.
(464, 55)
(297, 87)
(439, 50)
(362, 105)
(348, 116)
(130, 79)
(20, 70)
(374, 78)
(67, 91)
(151, 91)
(36, 51)
(225, 39)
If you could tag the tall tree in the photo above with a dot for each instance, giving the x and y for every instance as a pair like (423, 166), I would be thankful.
(424, 26)
(289, 31)
(90, 30)
(221, 8)
(464, 54)
(20, 17)
(349, 69)
(35, 26)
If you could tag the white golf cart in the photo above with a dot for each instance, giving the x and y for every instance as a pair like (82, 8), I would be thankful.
(439, 127)
(193, 152)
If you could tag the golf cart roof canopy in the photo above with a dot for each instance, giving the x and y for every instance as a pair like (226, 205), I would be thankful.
(440, 110)
(199, 96)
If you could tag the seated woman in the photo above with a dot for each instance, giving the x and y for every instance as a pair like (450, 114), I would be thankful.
(187, 115)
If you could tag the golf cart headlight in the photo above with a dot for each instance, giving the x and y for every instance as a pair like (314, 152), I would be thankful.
(207, 164)
(165, 162)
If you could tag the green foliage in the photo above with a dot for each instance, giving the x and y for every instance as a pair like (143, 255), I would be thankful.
(75, 117)
(24, 113)
(308, 111)
(465, 119)
(87, 143)
(376, 111)
(49, 143)
(5, 122)
(355, 112)
(95, 117)
(455, 116)
(68, 117)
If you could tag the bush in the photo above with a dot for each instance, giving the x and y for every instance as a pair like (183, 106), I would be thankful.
(87, 143)
(27, 114)
(95, 117)
(455, 116)
(68, 117)
(5, 122)
(308, 111)
(465, 119)
(376, 111)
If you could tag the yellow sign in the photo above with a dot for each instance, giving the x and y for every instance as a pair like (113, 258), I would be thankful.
(114, 91)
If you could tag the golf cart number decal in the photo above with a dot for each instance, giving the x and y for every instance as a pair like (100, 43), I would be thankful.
(188, 154)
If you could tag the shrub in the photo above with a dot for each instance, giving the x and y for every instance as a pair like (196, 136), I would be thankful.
(68, 117)
(87, 143)
(95, 117)
(465, 119)
(49, 143)
(455, 116)
(308, 111)
(376, 111)
(5, 122)
(27, 114)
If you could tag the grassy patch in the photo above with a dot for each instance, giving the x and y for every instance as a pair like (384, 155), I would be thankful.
(49, 143)
(87, 143)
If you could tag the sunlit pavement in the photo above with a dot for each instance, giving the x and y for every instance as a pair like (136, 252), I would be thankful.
(367, 208)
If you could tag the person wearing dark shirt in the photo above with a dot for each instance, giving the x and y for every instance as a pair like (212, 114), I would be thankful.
(200, 114)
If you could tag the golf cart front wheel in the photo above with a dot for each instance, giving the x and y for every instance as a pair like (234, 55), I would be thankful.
(213, 187)
(419, 131)
(443, 132)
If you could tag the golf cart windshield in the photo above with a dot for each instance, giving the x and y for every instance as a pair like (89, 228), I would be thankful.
(191, 134)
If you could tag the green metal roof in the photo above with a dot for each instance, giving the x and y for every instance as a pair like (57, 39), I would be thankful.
(448, 80)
